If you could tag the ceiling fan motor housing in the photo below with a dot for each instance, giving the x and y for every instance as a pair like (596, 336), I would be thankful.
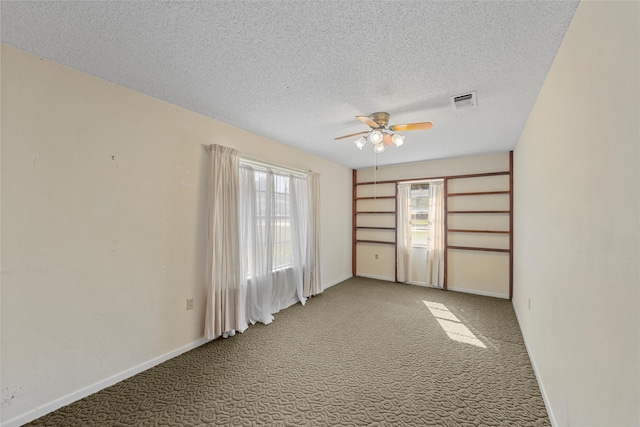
(382, 119)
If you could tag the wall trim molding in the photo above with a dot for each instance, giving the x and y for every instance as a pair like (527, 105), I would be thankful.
(335, 282)
(545, 398)
(476, 292)
(421, 284)
(100, 385)
(373, 276)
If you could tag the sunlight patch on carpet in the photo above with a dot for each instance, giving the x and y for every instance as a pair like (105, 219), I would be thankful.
(455, 329)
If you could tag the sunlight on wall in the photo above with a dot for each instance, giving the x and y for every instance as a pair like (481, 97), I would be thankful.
(455, 329)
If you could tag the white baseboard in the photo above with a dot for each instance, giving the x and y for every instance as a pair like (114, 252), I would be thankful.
(424, 285)
(545, 398)
(335, 282)
(476, 292)
(371, 276)
(107, 382)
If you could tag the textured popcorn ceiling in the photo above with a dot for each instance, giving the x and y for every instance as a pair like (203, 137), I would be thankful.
(298, 72)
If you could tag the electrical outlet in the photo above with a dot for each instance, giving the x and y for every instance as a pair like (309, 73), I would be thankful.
(376, 256)
(189, 303)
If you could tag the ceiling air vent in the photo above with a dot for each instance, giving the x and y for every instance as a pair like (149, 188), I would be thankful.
(463, 102)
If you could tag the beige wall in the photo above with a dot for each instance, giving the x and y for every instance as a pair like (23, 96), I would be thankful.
(103, 228)
(577, 222)
(485, 273)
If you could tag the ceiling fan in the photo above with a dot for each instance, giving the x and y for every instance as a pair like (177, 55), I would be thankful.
(379, 135)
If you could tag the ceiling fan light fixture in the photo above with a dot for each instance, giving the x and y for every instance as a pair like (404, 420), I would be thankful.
(375, 137)
(378, 148)
(398, 140)
(380, 135)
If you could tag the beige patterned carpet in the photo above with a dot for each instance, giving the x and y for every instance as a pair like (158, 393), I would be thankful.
(364, 353)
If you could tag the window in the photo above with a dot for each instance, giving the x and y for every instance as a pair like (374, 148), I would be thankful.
(275, 217)
(419, 214)
(267, 215)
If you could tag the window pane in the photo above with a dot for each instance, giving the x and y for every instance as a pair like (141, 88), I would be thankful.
(273, 225)
(281, 223)
(419, 214)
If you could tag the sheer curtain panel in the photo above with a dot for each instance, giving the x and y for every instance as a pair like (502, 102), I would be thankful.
(278, 258)
(435, 249)
(404, 232)
(225, 294)
(256, 245)
(312, 271)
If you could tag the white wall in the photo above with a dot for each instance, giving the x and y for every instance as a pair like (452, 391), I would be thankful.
(577, 222)
(103, 235)
(485, 273)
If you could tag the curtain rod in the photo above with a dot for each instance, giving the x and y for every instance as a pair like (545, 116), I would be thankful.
(263, 163)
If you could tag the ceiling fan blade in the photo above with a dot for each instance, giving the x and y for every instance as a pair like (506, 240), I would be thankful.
(412, 126)
(367, 121)
(352, 134)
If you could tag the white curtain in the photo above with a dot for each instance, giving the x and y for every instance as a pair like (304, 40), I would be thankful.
(404, 232)
(274, 223)
(225, 294)
(312, 271)
(299, 214)
(435, 246)
(255, 247)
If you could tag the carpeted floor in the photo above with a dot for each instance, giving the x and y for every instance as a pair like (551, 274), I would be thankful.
(363, 353)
